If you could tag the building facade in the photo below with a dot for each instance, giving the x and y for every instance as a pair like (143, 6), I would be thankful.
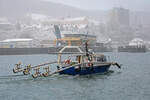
(119, 17)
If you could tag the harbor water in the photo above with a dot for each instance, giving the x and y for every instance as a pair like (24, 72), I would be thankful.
(131, 82)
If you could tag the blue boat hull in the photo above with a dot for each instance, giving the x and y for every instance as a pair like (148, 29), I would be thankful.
(85, 71)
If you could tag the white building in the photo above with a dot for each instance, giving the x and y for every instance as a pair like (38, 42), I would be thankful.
(137, 42)
(16, 43)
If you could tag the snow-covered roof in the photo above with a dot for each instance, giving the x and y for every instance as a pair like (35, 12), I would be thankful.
(136, 41)
(36, 16)
(75, 19)
(82, 26)
(55, 20)
(17, 40)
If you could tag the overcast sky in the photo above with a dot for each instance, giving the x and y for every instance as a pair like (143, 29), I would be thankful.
(136, 5)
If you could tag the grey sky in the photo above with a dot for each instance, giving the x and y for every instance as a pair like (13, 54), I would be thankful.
(138, 5)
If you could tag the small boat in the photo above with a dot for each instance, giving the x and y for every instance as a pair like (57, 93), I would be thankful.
(85, 63)
(88, 65)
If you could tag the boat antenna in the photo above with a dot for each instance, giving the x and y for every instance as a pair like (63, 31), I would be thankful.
(86, 43)
(86, 48)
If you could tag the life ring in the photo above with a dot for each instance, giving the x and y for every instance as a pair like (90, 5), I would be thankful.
(89, 64)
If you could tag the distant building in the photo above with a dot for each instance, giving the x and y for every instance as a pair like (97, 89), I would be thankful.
(16, 43)
(77, 39)
(46, 43)
(136, 45)
(67, 21)
(5, 25)
(119, 25)
(119, 17)
(137, 42)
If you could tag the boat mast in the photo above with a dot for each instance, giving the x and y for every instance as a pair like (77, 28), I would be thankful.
(86, 45)
(86, 48)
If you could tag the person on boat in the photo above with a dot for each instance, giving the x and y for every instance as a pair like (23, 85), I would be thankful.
(68, 61)
(88, 62)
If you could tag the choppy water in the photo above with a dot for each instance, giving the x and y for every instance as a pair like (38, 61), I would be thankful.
(132, 82)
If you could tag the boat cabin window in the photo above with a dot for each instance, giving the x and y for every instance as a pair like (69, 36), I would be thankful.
(71, 50)
(86, 59)
(101, 59)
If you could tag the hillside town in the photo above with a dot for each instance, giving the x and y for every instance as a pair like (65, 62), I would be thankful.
(37, 30)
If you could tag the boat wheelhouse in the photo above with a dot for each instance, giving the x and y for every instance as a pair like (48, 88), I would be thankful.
(85, 63)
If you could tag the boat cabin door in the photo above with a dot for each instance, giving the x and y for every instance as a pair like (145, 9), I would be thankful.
(79, 59)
